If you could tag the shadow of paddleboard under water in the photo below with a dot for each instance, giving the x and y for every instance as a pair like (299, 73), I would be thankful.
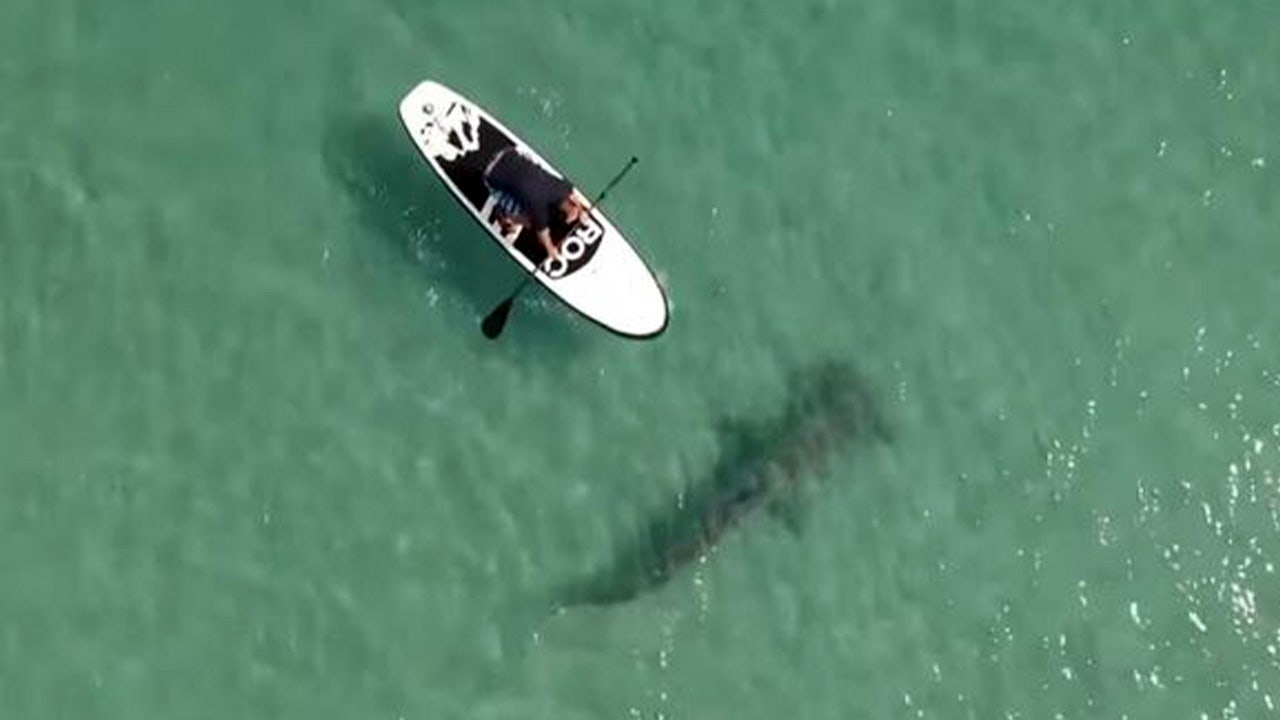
(399, 198)
(762, 466)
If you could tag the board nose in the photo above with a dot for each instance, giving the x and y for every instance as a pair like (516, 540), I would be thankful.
(648, 314)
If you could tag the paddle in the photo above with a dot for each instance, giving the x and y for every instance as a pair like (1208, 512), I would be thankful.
(496, 320)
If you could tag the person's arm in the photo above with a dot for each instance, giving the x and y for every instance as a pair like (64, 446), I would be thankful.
(539, 222)
(544, 235)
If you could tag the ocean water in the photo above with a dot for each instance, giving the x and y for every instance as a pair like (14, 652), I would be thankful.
(257, 460)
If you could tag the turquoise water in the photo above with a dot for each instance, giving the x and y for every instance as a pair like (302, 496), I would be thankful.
(257, 460)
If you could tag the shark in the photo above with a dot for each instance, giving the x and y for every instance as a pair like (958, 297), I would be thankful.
(761, 467)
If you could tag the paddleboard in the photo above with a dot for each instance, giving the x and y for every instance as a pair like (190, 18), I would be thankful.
(600, 274)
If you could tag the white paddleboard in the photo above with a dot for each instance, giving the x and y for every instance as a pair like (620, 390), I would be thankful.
(600, 275)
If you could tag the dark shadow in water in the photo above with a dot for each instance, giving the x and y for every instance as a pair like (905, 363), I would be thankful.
(400, 199)
(761, 466)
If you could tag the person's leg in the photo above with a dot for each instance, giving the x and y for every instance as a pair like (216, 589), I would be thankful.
(508, 213)
(506, 223)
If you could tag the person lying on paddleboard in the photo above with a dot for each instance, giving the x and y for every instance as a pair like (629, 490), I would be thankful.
(529, 195)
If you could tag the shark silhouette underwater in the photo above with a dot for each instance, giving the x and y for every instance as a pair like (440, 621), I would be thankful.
(761, 466)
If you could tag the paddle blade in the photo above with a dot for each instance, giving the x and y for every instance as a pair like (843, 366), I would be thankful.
(496, 320)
